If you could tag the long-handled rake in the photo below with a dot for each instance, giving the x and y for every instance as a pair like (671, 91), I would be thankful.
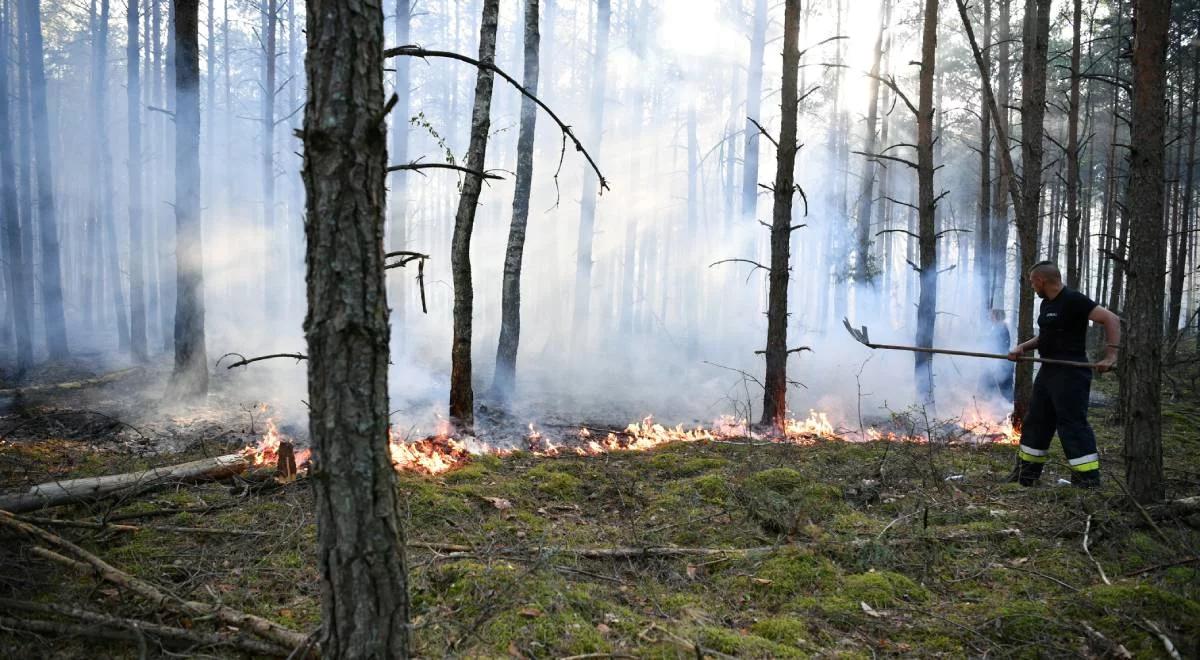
(860, 335)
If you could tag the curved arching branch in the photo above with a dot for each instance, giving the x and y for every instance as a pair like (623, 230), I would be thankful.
(417, 51)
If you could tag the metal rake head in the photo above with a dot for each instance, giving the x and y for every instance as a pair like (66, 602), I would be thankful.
(860, 335)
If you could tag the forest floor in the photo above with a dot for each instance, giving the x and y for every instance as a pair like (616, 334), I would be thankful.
(834, 549)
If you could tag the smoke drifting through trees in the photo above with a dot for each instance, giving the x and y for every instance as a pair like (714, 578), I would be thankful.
(618, 303)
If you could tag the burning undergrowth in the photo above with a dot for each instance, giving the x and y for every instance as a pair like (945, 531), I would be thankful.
(446, 449)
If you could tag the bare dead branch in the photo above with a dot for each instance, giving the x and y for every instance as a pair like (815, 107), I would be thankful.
(763, 131)
(897, 231)
(744, 261)
(871, 156)
(417, 51)
(415, 166)
(245, 361)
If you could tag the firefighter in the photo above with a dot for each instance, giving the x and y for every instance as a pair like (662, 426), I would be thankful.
(1060, 393)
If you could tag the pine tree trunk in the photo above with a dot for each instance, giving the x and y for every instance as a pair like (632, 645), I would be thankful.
(133, 91)
(53, 316)
(360, 541)
(754, 84)
(1141, 355)
(1033, 111)
(1179, 260)
(150, 198)
(462, 395)
(775, 382)
(398, 188)
(168, 260)
(692, 303)
(190, 378)
(865, 269)
(591, 185)
(104, 207)
(510, 324)
(927, 206)
(1073, 212)
(271, 272)
(15, 256)
(983, 228)
(1000, 196)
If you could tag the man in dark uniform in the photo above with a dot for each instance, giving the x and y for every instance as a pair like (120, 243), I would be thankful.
(1060, 393)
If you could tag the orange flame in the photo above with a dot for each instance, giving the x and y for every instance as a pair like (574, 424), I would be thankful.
(443, 452)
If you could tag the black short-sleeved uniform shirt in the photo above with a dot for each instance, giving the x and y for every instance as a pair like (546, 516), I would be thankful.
(1062, 326)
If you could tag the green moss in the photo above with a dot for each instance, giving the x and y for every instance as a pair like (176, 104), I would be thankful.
(1143, 600)
(472, 472)
(712, 488)
(1021, 621)
(883, 589)
(782, 481)
(783, 630)
(675, 466)
(563, 632)
(744, 645)
(782, 499)
(557, 484)
(790, 573)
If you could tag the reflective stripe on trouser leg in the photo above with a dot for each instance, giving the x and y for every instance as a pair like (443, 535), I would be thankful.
(1085, 463)
(1032, 455)
(1038, 426)
(1070, 393)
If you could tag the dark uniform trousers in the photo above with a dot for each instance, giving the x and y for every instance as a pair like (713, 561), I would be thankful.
(1060, 402)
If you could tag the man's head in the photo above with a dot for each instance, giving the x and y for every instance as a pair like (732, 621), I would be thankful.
(1045, 278)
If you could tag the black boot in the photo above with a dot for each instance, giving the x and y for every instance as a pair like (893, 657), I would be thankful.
(1089, 479)
(1026, 473)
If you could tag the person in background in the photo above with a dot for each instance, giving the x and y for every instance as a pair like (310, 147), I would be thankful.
(999, 377)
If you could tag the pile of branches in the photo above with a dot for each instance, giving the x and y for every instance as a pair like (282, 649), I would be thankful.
(236, 631)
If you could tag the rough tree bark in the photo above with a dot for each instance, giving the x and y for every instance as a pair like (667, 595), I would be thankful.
(510, 312)
(591, 184)
(189, 381)
(10, 221)
(775, 382)
(754, 83)
(51, 270)
(1073, 212)
(926, 205)
(1033, 111)
(133, 91)
(1141, 356)
(462, 395)
(360, 541)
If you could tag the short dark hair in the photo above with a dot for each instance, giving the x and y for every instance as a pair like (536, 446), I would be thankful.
(1048, 270)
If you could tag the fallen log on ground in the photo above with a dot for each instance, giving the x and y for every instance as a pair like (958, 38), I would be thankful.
(124, 527)
(70, 491)
(262, 627)
(105, 626)
(72, 384)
